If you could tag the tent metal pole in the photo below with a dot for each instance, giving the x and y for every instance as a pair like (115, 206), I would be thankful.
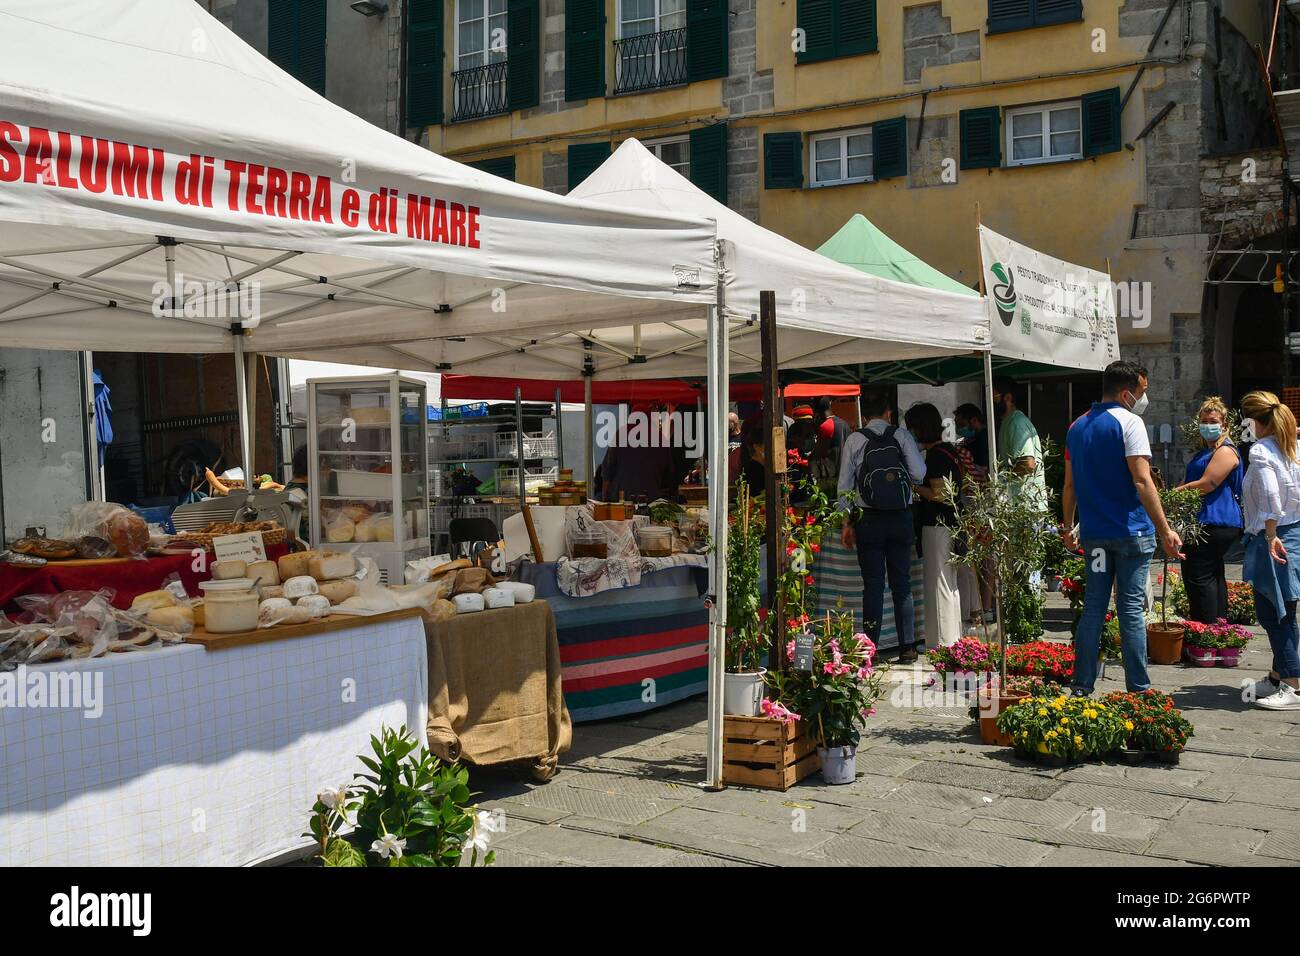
(991, 433)
(559, 431)
(718, 391)
(241, 403)
(589, 462)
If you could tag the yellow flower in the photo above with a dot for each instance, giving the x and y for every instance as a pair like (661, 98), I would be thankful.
(1065, 720)
(1078, 741)
(1090, 714)
(1042, 711)
(1128, 725)
(1100, 705)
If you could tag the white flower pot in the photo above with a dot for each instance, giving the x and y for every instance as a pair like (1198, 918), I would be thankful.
(839, 764)
(742, 694)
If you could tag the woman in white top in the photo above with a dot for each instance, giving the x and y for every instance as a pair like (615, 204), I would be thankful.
(1270, 502)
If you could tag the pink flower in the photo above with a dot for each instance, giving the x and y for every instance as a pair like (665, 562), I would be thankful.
(778, 711)
(789, 650)
(828, 668)
(864, 672)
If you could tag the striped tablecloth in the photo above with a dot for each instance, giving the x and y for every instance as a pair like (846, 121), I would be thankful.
(839, 580)
(631, 649)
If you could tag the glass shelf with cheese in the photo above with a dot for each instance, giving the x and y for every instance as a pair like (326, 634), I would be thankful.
(360, 501)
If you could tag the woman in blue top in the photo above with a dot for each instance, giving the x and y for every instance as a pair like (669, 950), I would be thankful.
(1215, 472)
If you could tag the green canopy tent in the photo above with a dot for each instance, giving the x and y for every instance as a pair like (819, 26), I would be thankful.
(860, 244)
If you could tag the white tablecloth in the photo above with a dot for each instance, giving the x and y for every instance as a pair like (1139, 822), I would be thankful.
(203, 757)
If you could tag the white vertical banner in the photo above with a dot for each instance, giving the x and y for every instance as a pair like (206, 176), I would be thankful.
(1044, 309)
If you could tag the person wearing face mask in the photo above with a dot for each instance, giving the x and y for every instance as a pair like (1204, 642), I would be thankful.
(973, 435)
(1270, 504)
(1108, 480)
(1018, 442)
(1215, 471)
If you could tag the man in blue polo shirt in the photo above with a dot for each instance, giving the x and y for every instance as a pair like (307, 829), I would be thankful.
(1108, 477)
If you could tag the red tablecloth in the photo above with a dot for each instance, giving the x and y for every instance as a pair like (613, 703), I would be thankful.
(128, 578)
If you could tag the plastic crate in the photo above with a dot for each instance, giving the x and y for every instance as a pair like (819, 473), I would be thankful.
(507, 479)
(474, 410)
(535, 446)
(434, 413)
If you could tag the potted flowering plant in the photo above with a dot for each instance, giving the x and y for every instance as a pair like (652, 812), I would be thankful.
(1050, 660)
(1218, 643)
(1165, 638)
(836, 696)
(967, 659)
(742, 687)
(1241, 603)
(1152, 724)
(1060, 729)
(409, 809)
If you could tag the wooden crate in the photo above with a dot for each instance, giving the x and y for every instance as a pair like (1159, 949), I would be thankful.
(767, 753)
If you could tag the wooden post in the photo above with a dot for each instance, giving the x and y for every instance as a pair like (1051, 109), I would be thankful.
(774, 433)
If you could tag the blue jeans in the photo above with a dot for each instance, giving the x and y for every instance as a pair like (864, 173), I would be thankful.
(886, 541)
(1111, 561)
(1282, 635)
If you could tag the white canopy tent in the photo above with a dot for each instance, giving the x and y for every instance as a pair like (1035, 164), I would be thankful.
(163, 186)
(828, 313)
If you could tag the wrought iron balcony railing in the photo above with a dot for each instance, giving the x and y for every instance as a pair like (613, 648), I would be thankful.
(650, 61)
(479, 91)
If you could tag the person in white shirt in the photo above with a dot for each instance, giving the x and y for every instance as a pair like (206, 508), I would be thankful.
(1270, 500)
(878, 467)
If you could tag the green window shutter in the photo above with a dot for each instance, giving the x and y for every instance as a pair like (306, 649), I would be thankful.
(709, 160)
(816, 18)
(1010, 15)
(889, 148)
(503, 166)
(1101, 133)
(783, 160)
(707, 28)
(981, 138)
(584, 49)
(855, 30)
(424, 61)
(1047, 12)
(295, 39)
(585, 159)
(523, 42)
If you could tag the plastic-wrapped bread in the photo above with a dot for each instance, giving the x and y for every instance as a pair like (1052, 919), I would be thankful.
(330, 565)
(178, 620)
(337, 591)
(468, 603)
(153, 599)
(292, 565)
(524, 593)
(299, 586)
(498, 597)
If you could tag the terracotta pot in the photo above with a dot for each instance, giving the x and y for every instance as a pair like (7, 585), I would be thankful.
(1202, 656)
(1164, 644)
(990, 705)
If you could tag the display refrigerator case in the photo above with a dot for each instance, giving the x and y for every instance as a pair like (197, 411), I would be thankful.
(368, 481)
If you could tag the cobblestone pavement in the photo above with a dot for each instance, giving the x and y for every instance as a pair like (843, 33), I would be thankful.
(928, 793)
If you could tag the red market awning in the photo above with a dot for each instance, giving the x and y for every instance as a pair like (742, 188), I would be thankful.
(604, 392)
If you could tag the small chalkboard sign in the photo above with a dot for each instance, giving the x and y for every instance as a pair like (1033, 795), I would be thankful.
(803, 651)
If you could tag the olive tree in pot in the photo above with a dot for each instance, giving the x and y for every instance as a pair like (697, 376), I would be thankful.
(1165, 637)
(1002, 523)
(743, 680)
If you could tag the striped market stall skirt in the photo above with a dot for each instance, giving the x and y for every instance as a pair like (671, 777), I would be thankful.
(632, 649)
(839, 582)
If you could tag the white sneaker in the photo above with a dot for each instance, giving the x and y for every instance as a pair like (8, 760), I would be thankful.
(1264, 688)
(1284, 698)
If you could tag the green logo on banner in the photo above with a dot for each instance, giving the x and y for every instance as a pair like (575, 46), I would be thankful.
(1004, 293)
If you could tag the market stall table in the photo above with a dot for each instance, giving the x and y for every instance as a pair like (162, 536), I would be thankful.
(631, 649)
(494, 688)
(129, 577)
(195, 756)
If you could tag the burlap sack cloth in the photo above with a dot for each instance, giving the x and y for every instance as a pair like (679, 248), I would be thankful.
(494, 688)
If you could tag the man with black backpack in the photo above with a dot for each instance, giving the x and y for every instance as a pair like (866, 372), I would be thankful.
(878, 467)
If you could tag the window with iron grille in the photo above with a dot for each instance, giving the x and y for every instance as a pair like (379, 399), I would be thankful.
(479, 80)
(650, 51)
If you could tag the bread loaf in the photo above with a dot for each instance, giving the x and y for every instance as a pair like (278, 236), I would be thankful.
(153, 599)
(178, 620)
